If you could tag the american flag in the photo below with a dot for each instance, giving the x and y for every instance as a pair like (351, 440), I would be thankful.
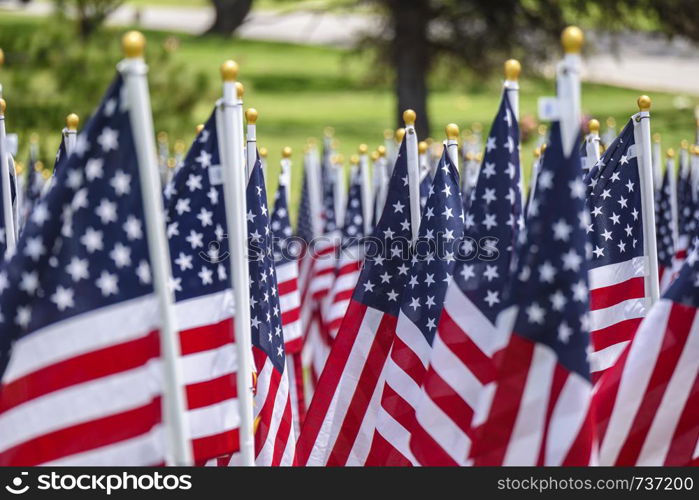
(349, 260)
(204, 305)
(286, 263)
(319, 263)
(666, 227)
(538, 410)
(339, 424)
(648, 402)
(79, 345)
(461, 363)
(686, 209)
(434, 258)
(617, 262)
(275, 439)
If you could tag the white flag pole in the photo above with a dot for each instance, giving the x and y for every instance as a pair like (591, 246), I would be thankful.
(645, 164)
(234, 182)
(380, 182)
(413, 169)
(367, 198)
(592, 142)
(389, 145)
(513, 69)
(674, 210)
(251, 139)
(7, 210)
(314, 179)
(70, 132)
(393, 150)
(568, 86)
(263, 160)
(339, 189)
(452, 143)
(134, 71)
(285, 177)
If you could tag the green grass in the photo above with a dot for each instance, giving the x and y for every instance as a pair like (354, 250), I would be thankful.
(298, 90)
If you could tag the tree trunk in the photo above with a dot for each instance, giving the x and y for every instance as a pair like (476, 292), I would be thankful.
(230, 14)
(411, 59)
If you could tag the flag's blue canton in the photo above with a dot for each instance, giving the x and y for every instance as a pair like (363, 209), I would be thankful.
(84, 245)
(685, 288)
(265, 312)
(387, 262)
(281, 228)
(493, 218)
(615, 228)
(304, 224)
(196, 220)
(436, 250)
(353, 228)
(550, 287)
(685, 204)
(425, 185)
(663, 222)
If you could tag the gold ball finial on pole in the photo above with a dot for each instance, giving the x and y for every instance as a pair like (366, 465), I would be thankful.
(328, 132)
(354, 159)
(286, 152)
(422, 147)
(409, 117)
(684, 144)
(2, 57)
(512, 70)
(388, 133)
(400, 133)
(263, 152)
(3, 106)
(162, 136)
(593, 125)
(133, 44)
(374, 156)
(644, 103)
(611, 122)
(251, 116)
(572, 40)
(239, 90)
(670, 153)
(381, 150)
(363, 148)
(72, 121)
(452, 131)
(199, 128)
(656, 137)
(229, 70)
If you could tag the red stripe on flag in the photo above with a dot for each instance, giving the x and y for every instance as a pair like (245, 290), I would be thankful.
(407, 360)
(282, 437)
(85, 436)
(460, 343)
(217, 445)
(608, 296)
(330, 379)
(614, 334)
(675, 336)
(383, 454)
(494, 435)
(289, 286)
(560, 375)
(205, 338)
(80, 369)
(686, 435)
(212, 391)
(366, 385)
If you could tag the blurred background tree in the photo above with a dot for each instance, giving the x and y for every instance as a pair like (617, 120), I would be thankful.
(90, 14)
(229, 15)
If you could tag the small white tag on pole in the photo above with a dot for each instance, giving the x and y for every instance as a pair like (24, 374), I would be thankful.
(549, 109)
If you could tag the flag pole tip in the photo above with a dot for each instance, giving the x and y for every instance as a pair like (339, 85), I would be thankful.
(537, 152)
(512, 70)
(239, 90)
(452, 131)
(328, 132)
(593, 125)
(251, 116)
(670, 153)
(363, 148)
(286, 152)
(72, 121)
(400, 133)
(684, 144)
(572, 40)
(422, 147)
(388, 133)
(409, 117)
(2, 57)
(162, 136)
(263, 152)
(354, 159)
(3, 106)
(644, 103)
(656, 137)
(374, 155)
(229, 70)
(199, 128)
(381, 150)
(133, 44)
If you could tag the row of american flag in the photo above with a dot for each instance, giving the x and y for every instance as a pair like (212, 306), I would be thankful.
(426, 313)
